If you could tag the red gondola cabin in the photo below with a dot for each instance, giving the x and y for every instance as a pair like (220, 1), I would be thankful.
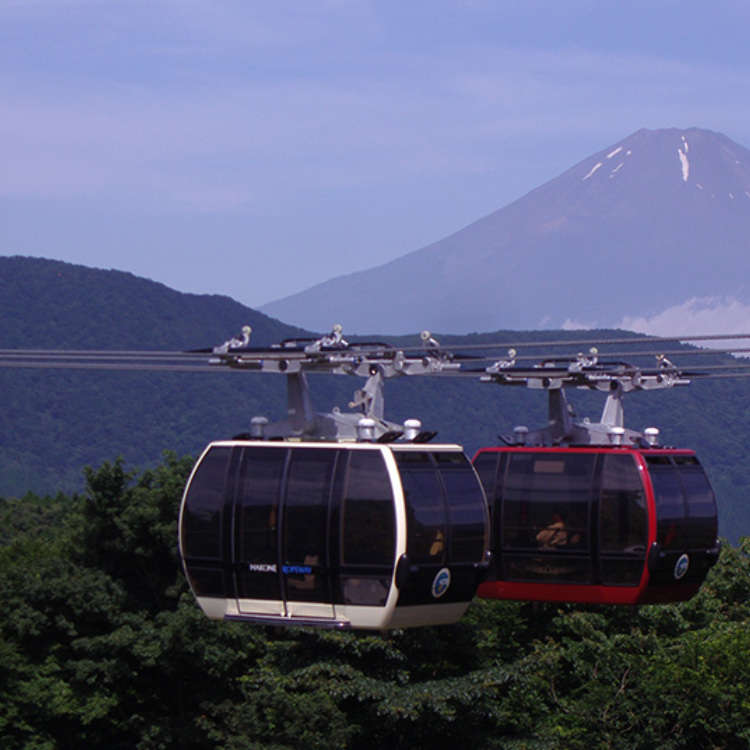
(599, 524)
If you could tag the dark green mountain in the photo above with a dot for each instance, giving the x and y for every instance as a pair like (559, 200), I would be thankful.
(55, 422)
(50, 304)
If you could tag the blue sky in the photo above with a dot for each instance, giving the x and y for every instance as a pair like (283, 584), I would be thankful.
(254, 149)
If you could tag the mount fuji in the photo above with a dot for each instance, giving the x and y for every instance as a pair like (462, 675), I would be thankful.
(656, 221)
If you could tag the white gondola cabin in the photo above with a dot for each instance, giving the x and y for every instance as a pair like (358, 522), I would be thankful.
(334, 534)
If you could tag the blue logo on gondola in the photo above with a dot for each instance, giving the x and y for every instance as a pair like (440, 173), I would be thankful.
(681, 566)
(441, 582)
(296, 569)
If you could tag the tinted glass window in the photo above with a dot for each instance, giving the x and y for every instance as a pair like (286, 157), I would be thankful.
(425, 508)
(467, 515)
(368, 590)
(670, 504)
(368, 531)
(546, 500)
(204, 507)
(685, 460)
(623, 521)
(306, 513)
(545, 510)
(701, 502)
(486, 466)
(621, 571)
(658, 461)
(685, 503)
(207, 581)
(701, 522)
(257, 522)
(258, 504)
(550, 568)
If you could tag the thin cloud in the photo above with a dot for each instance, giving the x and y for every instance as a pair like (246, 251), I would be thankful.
(696, 316)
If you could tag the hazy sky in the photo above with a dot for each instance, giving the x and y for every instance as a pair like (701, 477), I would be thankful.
(254, 149)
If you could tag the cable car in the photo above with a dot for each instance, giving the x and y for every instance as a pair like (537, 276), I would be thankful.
(368, 535)
(618, 524)
(349, 521)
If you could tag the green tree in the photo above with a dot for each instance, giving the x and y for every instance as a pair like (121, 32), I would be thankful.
(102, 644)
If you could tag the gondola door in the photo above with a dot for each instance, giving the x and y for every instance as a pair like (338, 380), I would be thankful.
(257, 563)
(281, 558)
(305, 555)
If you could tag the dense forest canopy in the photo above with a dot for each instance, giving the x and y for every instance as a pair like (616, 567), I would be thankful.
(102, 644)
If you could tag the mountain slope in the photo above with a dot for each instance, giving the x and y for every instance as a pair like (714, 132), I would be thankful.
(644, 224)
(49, 304)
(55, 422)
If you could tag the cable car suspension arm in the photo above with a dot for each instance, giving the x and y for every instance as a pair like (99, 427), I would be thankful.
(332, 354)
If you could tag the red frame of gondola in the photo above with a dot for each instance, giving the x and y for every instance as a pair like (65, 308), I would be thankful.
(592, 593)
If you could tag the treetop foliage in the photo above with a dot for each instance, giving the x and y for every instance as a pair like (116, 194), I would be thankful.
(102, 644)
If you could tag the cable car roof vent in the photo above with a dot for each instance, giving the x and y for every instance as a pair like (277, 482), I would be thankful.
(366, 429)
(520, 433)
(652, 436)
(258, 428)
(412, 428)
(616, 435)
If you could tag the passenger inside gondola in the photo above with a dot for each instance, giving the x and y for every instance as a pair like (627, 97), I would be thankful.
(438, 544)
(556, 534)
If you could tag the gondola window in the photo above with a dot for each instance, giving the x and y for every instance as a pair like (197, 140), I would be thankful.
(623, 524)
(425, 507)
(306, 516)
(368, 531)
(257, 522)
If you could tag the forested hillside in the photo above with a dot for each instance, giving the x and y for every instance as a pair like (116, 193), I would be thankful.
(55, 422)
(50, 304)
(103, 646)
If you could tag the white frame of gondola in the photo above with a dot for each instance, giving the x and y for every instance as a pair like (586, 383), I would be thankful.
(338, 616)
